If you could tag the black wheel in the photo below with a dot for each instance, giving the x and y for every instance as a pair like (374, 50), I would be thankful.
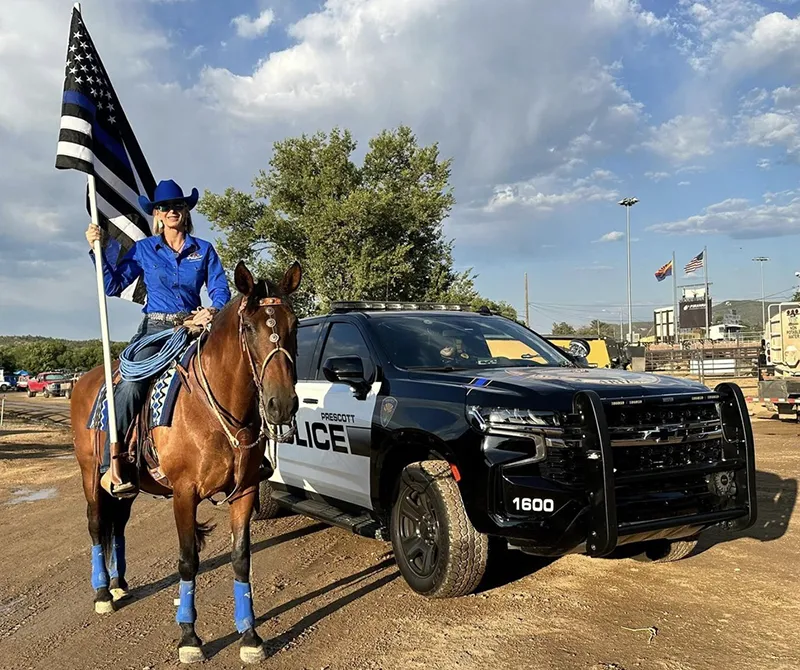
(667, 551)
(268, 508)
(31, 394)
(46, 393)
(438, 551)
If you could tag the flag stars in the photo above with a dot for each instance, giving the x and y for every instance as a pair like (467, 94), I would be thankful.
(78, 57)
(78, 80)
(100, 105)
(73, 48)
(110, 107)
(112, 119)
(84, 45)
(77, 35)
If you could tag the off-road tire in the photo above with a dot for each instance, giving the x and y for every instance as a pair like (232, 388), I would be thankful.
(46, 393)
(31, 394)
(461, 551)
(268, 508)
(668, 551)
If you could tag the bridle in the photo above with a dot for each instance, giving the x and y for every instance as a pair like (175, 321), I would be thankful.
(265, 429)
(258, 378)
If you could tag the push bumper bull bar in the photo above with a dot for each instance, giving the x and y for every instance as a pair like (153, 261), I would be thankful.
(604, 530)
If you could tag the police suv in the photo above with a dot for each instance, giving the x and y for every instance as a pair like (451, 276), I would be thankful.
(437, 428)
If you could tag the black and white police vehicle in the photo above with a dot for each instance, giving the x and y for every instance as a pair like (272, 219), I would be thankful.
(437, 428)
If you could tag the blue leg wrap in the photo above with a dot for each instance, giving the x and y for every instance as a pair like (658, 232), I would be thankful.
(186, 611)
(243, 606)
(117, 565)
(99, 574)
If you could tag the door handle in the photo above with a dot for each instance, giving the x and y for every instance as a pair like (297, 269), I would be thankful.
(310, 401)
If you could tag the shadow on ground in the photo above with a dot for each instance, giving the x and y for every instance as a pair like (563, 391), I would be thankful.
(276, 644)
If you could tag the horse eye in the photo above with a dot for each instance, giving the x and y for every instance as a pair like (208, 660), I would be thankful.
(249, 327)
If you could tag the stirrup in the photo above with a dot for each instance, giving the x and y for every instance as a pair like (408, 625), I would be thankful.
(121, 490)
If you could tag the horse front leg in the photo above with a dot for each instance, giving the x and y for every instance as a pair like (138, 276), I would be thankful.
(190, 647)
(97, 515)
(117, 563)
(251, 648)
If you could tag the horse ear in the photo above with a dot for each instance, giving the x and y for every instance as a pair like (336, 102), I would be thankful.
(243, 279)
(291, 280)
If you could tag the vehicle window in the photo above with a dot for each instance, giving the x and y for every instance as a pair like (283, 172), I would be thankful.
(462, 341)
(306, 341)
(345, 339)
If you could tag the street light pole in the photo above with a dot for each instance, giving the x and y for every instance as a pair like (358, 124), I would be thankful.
(761, 260)
(627, 203)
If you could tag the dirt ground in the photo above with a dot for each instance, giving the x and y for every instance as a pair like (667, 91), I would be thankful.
(328, 600)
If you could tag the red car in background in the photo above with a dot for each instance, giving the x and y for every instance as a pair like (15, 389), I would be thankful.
(50, 384)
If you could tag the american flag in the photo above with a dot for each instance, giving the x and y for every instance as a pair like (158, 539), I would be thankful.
(695, 264)
(96, 138)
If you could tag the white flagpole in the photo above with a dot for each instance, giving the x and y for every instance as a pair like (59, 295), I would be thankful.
(705, 268)
(101, 296)
(674, 300)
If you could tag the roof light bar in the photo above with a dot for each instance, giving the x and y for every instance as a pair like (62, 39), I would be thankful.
(377, 306)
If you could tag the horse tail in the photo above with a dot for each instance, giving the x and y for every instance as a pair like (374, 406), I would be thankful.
(202, 530)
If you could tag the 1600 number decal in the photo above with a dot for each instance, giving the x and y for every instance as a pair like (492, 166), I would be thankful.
(534, 504)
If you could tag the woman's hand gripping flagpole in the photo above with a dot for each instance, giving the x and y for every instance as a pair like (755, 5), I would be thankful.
(114, 470)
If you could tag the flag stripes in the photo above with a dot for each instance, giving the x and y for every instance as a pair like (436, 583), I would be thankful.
(96, 138)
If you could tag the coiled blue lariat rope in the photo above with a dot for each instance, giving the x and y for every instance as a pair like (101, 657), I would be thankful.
(134, 371)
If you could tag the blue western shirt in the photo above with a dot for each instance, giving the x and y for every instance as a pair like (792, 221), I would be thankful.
(173, 281)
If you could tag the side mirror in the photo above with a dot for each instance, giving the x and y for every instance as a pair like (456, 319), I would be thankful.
(346, 370)
(579, 350)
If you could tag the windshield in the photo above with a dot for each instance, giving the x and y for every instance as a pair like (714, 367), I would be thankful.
(461, 342)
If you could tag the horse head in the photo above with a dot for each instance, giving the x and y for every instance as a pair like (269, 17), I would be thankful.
(268, 334)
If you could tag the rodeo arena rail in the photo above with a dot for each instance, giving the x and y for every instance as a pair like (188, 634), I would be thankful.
(705, 358)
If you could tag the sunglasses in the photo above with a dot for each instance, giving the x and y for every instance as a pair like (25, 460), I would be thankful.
(171, 206)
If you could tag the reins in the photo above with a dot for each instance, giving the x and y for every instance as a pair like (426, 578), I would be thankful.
(258, 378)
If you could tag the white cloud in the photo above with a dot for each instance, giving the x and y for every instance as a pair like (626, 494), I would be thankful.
(773, 39)
(763, 164)
(594, 268)
(378, 63)
(250, 28)
(771, 119)
(683, 138)
(613, 236)
(684, 183)
(657, 176)
(630, 10)
(547, 192)
(778, 215)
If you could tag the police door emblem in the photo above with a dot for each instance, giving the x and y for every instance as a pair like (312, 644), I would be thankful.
(388, 406)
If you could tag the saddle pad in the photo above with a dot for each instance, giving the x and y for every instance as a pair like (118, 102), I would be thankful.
(162, 396)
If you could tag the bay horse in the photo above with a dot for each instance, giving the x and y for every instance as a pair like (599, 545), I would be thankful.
(238, 387)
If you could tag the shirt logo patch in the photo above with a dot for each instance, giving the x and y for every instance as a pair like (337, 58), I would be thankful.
(194, 256)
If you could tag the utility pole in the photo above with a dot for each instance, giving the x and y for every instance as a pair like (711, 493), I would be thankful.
(761, 260)
(527, 304)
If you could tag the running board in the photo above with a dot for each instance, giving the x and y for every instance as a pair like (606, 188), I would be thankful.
(362, 524)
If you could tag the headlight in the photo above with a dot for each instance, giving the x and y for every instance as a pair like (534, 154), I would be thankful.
(512, 422)
(502, 423)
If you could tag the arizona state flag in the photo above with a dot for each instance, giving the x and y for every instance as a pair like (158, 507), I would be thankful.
(664, 271)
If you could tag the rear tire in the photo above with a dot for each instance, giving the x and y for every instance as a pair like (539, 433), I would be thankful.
(437, 549)
(31, 394)
(46, 393)
(268, 508)
(668, 551)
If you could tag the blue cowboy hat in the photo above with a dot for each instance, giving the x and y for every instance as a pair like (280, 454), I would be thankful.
(167, 191)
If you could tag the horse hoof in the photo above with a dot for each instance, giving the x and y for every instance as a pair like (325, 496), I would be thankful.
(104, 607)
(119, 594)
(191, 654)
(252, 654)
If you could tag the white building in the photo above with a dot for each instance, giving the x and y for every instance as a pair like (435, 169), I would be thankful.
(664, 320)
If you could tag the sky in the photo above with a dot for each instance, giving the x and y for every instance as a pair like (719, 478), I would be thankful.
(551, 112)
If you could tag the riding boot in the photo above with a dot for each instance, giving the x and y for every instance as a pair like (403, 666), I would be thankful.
(113, 481)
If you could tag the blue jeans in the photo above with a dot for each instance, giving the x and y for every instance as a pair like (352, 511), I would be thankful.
(129, 397)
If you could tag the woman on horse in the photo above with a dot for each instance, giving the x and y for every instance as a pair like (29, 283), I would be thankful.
(174, 266)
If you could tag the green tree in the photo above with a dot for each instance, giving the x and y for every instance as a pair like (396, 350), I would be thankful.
(562, 328)
(372, 231)
(598, 328)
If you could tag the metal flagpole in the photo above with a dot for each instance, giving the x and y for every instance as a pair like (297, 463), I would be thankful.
(527, 304)
(674, 300)
(705, 267)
